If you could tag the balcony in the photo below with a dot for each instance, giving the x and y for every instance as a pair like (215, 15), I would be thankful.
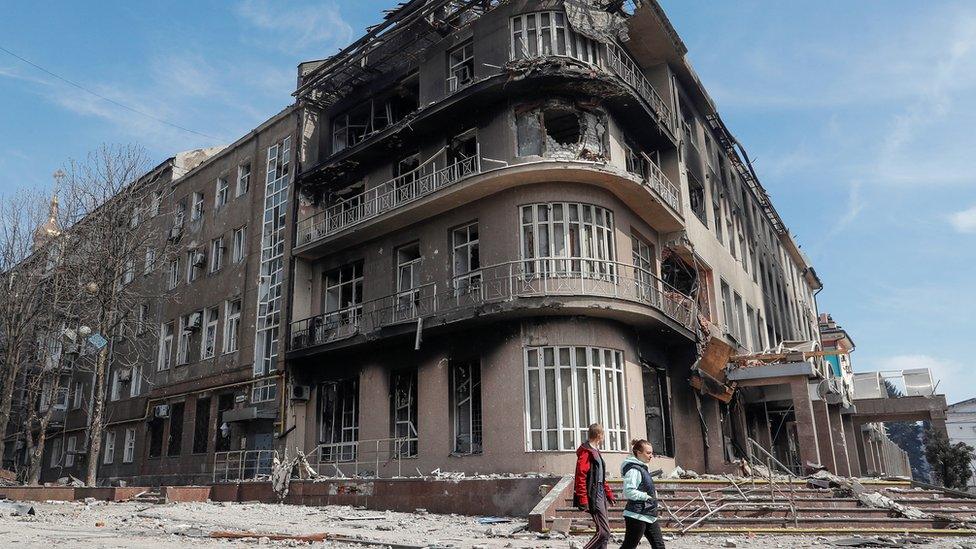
(620, 63)
(424, 180)
(505, 284)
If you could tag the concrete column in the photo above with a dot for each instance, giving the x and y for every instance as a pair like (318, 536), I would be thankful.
(806, 429)
(867, 453)
(433, 411)
(716, 452)
(850, 436)
(939, 426)
(374, 403)
(839, 440)
(822, 417)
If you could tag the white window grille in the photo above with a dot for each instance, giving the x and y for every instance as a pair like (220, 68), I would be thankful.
(344, 294)
(165, 359)
(232, 325)
(466, 249)
(568, 239)
(222, 193)
(129, 450)
(409, 260)
(268, 314)
(643, 257)
(546, 33)
(243, 179)
(209, 340)
(567, 389)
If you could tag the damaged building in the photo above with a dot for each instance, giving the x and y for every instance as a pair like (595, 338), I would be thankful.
(519, 218)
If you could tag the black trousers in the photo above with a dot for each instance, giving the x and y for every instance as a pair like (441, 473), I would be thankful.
(637, 529)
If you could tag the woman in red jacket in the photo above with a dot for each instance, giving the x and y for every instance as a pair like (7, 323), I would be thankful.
(591, 493)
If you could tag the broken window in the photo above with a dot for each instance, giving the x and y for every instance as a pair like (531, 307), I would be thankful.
(175, 445)
(546, 33)
(461, 148)
(466, 406)
(562, 131)
(727, 313)
(408, 281)
(568, 239)
(404, 408)
(642, 254)
(466, 250)
(225, 402)
(460, 67)
(339, 420)
(343, 300)
(568, 388)
(696, 196)
(384, 109)
(201, 426)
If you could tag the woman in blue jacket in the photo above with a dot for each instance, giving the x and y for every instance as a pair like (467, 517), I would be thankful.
(640, 513)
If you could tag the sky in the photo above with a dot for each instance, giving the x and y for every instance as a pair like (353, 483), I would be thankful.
(859, 117)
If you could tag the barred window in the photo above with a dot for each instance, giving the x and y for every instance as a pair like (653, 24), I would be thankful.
(567, 389)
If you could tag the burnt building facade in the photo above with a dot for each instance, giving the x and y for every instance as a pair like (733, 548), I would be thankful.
(517, 219)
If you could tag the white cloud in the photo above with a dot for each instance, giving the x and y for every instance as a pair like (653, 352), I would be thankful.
(314, 30)
(965, 220)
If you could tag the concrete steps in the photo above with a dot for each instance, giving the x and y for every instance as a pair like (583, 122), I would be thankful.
(154, 496)
(762, 510)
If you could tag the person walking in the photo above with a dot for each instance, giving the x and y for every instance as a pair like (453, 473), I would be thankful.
(591, 493)
(640, 513)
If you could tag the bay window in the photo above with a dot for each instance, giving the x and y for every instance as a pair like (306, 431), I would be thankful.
(567, 239)
(567, 389)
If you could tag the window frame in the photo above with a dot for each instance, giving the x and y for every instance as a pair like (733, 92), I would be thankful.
(243, 184)
(108, 455)
(211, 321)
(216, 254)
(221, 193)
(232, 326)
(164, 362)
(129, 448)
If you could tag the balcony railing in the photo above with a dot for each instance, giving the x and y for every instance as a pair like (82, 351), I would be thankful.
(239, 465)
(413, 185)
(660, 184)
(620, 63)
(539, 277)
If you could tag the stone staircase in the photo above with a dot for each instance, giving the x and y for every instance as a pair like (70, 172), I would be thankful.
(721, 506)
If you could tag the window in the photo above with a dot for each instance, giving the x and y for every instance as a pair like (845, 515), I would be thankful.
(108, 456)
(467, 258)
(568, 239)
(264, 391)
(696, 196)
(135, 384)
(155, 438)
(344, 294)
(155, 202)
(386, 108)
(222, 193)
(729, 317)
(201, 429)
(232, 325)
(567, 389)
(408, 281)
(243, 179)
(240, 240)
(546, 33)
(69, 452)
(129, 271)
(175, 445)
(55, 452)
(142, 317)
(183, 341)
(150, 263)
(216, 254)
(460, 67)
(77, 396)
(210, 333)
(740, 320)
(404, 410)
(165, 347)
(339, 419)
(115, 386)
(466, 406)
(129, 450)
(643, 257)
(197, 211)
(136, 217)
(717, 215)
(195, 260)
(174, 273)
(179, 214)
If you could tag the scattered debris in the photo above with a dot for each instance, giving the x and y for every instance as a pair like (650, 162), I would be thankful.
(881, 541)
(12, 509)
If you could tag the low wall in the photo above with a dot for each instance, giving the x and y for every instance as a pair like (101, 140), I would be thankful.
(174, 494)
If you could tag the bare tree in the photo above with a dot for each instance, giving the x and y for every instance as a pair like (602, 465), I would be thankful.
(26, 224)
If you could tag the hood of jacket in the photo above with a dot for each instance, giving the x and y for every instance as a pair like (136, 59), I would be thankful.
(631, 459)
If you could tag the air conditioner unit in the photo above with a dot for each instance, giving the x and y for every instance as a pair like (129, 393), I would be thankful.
(300, 392)
(161, 410)
(176, 232)
(194, 321)
(199, 259)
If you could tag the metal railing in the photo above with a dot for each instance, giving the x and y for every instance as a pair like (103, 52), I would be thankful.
(620, 63)
(538, 277)
(413, 185)
(238, 465)
(363, 458)
(660, 184)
